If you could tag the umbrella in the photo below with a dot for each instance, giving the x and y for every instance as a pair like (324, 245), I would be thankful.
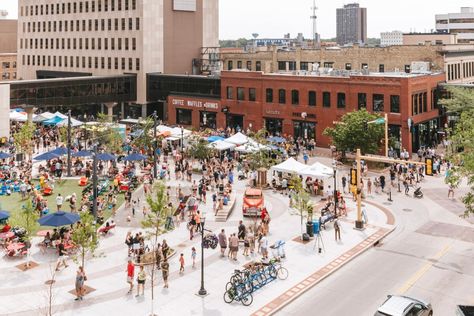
(106, 157)
(134, 157)
(60, 151)
(82, 153)
(4, 215)
(4, 155)
(59, 219)
(47, 156)
(212, 139)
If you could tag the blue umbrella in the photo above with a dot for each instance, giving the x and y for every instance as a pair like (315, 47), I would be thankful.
(59, 219)
(212, 139)
(4, 155)
(82, 153)
(106, 157)
(134, 157)
(60, 151)
(46, 156)
(4, 215)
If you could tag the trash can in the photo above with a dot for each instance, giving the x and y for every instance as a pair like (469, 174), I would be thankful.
(309, 229)
(315, 227)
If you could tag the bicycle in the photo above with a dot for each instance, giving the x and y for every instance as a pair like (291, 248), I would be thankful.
(276, 269)
(238, 293)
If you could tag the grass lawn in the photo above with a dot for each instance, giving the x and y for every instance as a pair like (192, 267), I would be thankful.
(13, 203)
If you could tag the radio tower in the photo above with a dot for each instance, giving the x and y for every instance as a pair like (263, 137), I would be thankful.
(313, 17)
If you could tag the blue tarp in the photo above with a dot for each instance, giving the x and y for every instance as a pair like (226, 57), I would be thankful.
(212, 139)
(47, 156)
(60, 151)
(4, 155)
(106, 157)
(82, 153)
(134, 157)
(53, 121)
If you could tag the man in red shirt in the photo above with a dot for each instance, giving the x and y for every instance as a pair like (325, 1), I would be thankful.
(130, 274)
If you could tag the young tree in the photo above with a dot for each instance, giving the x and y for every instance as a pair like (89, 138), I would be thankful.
(28, 219)
(198, 148)
(85, 237)
(23, 139)
(154, 223)
(301, 200)
(353, 132)
(461, 150)
(107, 134)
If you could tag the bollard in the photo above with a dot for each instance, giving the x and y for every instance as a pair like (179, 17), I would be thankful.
(390, 196)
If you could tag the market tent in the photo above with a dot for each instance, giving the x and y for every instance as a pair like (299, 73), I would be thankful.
(317, 170)
(47, 156)
(177, 132)
(238, 139)
(106, 157)
(60, 115)
(212, 139)
(221, 145)
(251, 146)
(289, 166)
(43, 117)
(74, 122)
(134, 157)
(18, 116)
(276, 139)
(53, 121)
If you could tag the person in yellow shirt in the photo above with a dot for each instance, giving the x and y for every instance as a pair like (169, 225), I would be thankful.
(41, 179)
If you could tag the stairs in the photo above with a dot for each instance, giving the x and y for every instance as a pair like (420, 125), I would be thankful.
(223, 215)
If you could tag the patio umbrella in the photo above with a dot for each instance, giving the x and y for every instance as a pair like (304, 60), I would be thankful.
(60, 151)
(212, 139)
(134, 157)
(46, 156)
(4, 215)
(59, 219)
(106, 157)
(4, 155)
(82, 153)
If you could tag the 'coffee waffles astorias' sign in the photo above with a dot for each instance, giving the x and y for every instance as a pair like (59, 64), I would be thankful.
(196, 104)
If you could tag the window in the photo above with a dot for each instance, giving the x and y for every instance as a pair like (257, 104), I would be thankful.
(341, 100)
(282, 96)
(361, 101)
(109, 63)
(304, 65)
(123, 63)
(106, 43)
(282, 65)
(96, 62)
(292, 65)
(381, 68)
(312, 98)
(116, 63)
(230, 65)
(249, 65)
(116, 24)
(123, 24)
(99, 43)
(130, 24)
(130, 64)
(126, 43)
(119, 5)
(378, 102)
(326, 99)
(134, 4)
(252, 94)
(348, 66)
(364, 66)
(119, 44)
(239, 64)
(395, 104)
(112, 5)
(295, 97)
(269, 95)
(126, 4)
(240, 94)
(112, 43)
(109, 24)
(258, 66)
(328, 64)
(407, 69)
(134, 43)
(230, 93)
(137, 24)
(102, 62)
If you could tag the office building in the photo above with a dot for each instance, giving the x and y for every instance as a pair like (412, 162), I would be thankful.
(351, 24)
(58, 38)
(391, 38)
(437, 38)
(461, 23)
(8, 32)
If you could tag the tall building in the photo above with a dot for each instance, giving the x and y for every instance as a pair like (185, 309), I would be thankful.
(351, 24)
(391, 38)
(461, 24)
(112, 37)
(8, 34)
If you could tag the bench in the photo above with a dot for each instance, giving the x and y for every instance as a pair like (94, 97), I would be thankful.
(105, 229)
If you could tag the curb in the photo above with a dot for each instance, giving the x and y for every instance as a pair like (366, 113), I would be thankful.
(315, 278)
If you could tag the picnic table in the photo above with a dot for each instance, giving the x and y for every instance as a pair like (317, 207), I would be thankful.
(15, 246)
(7, 235)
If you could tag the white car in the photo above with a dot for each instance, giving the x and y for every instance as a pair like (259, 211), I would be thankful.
(404, 306)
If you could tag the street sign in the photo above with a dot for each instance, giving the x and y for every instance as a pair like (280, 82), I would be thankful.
(353, 176)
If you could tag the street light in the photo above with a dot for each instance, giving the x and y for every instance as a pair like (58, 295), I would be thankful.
(202, 290)
(155, 147)
(69, 143)
(334, 166)
(182, 139)
(94, 182)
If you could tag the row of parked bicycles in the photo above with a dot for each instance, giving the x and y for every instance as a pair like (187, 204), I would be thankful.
(255, 275)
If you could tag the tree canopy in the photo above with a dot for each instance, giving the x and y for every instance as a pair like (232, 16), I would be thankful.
(352, 132)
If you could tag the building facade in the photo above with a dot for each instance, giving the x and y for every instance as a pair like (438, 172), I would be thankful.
(433, 38)
(8, 67)
(112, 37)
(391, 38)
(351, 24)
(461, 23)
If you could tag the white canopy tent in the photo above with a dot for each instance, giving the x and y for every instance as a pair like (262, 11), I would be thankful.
(176, 132)
(289, 166)
(251, 146)
(60, 115)
(317, 170)
(18, 117)
(74, 122)
(163, 129)
(221, 145)
(43, 117)
(238, 139)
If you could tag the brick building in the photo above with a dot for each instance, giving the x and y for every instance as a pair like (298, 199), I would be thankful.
(303, 106)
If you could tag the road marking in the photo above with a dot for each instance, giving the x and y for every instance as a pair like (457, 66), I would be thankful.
(414, 278)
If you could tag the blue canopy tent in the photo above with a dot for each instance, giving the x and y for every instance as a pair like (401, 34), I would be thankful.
(82, 153)
(59, 219)
(276, 139)
(53, 121)
(47, 156)
(134, 157)
(60, 151)
(106, 157)
(212, 139)
(4, 215)
(4, 155)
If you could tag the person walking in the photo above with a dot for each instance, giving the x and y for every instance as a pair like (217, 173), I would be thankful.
(130, 275)
(222, 242)
(59, 201)
(451, 191)
(80, 278)
(234, 246)
(369, 186)
(337, 229)
(242, 231)
(181, 264)
(193, 256)
(62, 259)
(165, 268)
(344, 183)
(141, 281)
(246, 246)
(263, 243)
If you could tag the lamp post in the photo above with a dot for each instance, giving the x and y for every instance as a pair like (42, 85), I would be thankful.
(94, 182)
(69, 143)
(155, 147)
(202, 290)
(182, 139)
(334, 165)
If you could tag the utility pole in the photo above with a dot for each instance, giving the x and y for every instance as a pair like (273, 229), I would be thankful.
(69, 143)
(155, 147)
(94, 183)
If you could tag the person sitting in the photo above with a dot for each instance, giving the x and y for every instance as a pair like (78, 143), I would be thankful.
(47, 240)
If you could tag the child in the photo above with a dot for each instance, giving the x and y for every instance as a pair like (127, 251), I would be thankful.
(193, 256)
(246, 246)
(181, 262)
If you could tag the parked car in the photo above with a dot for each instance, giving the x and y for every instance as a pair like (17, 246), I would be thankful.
(396, 305)
(464, 310)
(253, 202)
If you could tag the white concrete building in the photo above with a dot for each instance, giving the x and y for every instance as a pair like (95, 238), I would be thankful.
(391, 38)
(111, 37)
(461, 24)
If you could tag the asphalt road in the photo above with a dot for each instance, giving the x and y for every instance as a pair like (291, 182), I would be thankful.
(415, 260)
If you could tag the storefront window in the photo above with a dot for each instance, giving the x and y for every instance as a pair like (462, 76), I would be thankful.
(274, 126)
(305, 130)
(184, 117)
(208, 119)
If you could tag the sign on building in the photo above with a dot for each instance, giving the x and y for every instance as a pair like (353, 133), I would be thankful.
(184, 5)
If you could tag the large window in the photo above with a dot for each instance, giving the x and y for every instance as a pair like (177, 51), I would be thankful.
(230, 94)
(378, 102)
(312, 98)
(292, 65)
(326, 99)
(395, 103)
(361, 101)
(341, 100)
(240, 94)
(252, 94)
(282, 65)
(295, 97)
(269, 95)
(304, 65)
(282, 96)
(184, 117)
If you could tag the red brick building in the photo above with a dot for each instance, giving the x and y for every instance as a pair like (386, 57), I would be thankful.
(304, 105)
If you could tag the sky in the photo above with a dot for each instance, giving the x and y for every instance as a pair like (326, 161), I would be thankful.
(274, 18)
